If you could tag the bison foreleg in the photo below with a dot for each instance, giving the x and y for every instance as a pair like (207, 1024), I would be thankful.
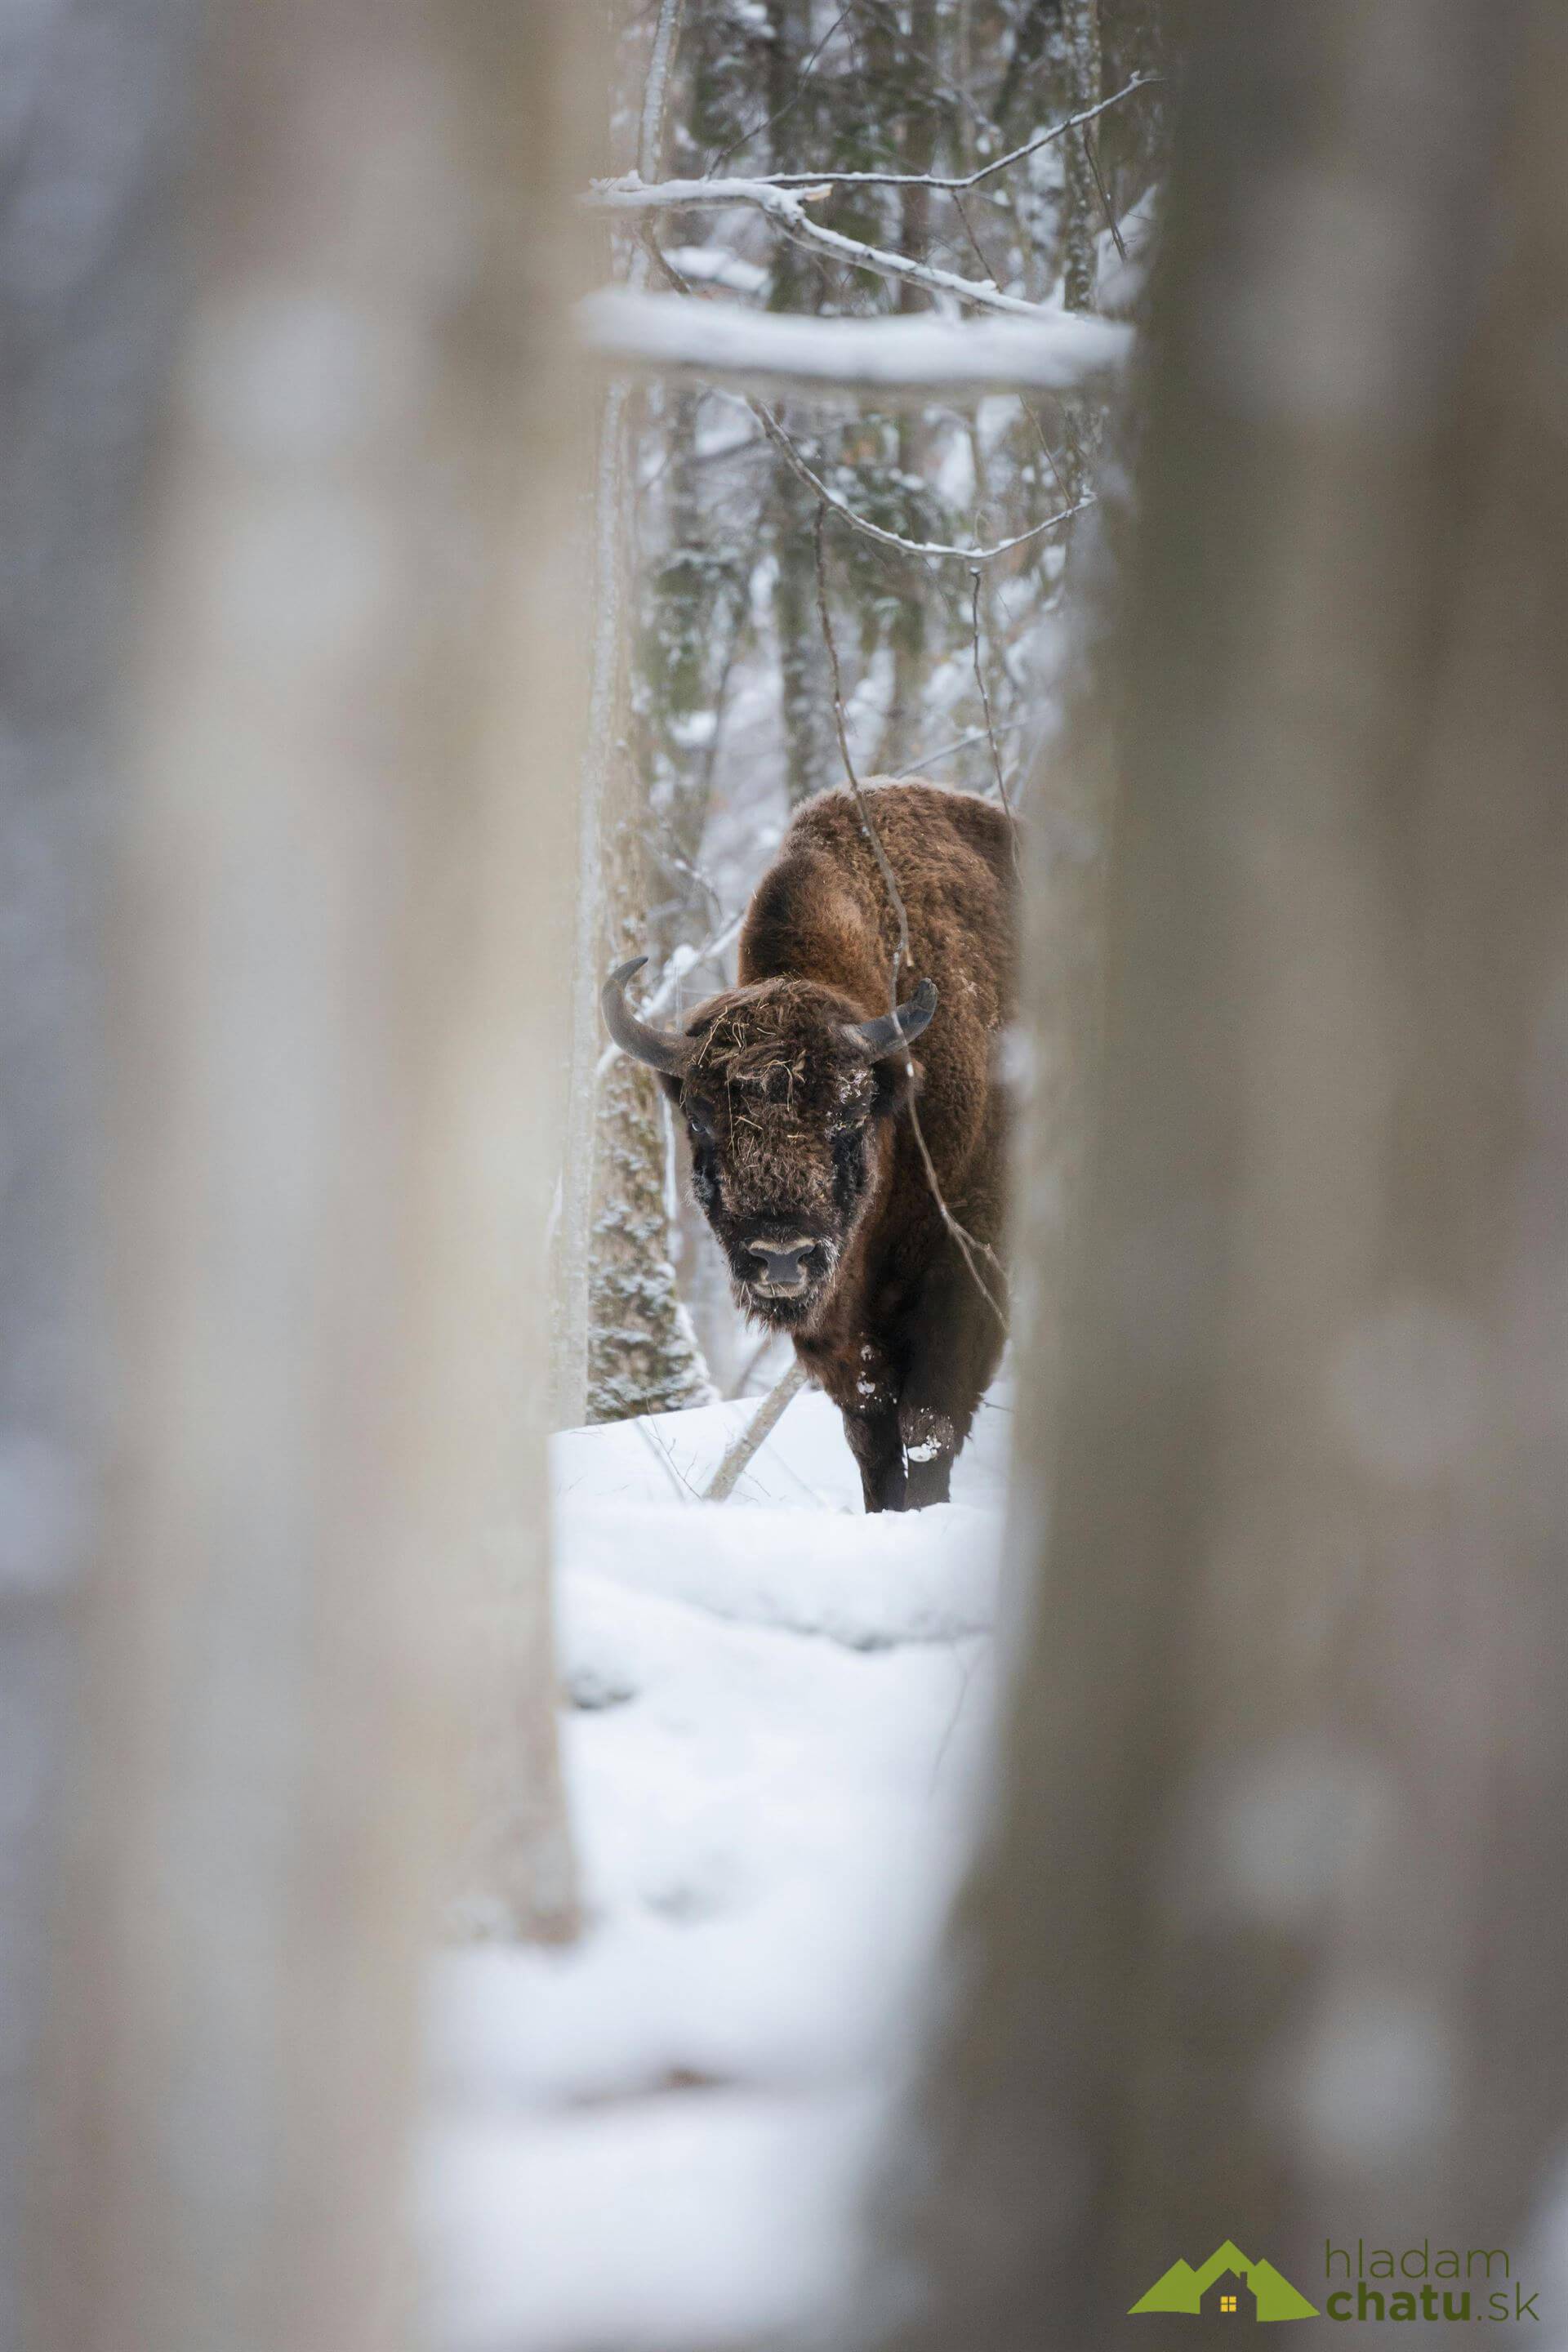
(878, 1446)
(954, 1344)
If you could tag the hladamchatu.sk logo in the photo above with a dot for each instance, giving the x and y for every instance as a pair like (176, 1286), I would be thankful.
(1228, 2286)
(1417, 2285)
(1476, 2283)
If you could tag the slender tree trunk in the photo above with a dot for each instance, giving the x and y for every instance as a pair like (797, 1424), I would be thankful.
(642, 1355)
(1083, 213)
(336, 962)
(811, 748)
(1260, 1944)
(901, 738)
(694, 607)
(574, 1214)
(625, 1344)
(1076, 56)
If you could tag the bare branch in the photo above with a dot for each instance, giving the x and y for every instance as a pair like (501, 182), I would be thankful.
(919, 359)
(761, 1426)
(959, 208)
(889, 880)
(860, 522)
(985, 706)
(959, 184)
(959, 744)
(1093, 161)
(969, 1245)
(807, 67)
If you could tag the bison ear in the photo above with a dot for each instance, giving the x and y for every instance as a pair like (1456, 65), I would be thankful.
(895, 1088)
(875, 1039)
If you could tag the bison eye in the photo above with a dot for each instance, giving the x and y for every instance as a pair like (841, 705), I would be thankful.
(700, 1119)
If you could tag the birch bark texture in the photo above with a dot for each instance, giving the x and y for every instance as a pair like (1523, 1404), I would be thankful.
(1080, 65)
(1260, 1943)
(337, 965)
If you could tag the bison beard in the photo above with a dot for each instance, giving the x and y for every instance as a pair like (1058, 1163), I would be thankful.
(794, 1089)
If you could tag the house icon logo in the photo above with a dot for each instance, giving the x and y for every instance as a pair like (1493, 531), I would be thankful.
(1228, 2286)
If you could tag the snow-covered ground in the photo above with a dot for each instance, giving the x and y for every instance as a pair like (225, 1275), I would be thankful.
(778, 1710)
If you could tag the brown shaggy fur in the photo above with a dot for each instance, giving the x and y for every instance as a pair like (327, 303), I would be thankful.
(797, 1138)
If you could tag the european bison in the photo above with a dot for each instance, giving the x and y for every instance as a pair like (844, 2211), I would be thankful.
(794, 1088)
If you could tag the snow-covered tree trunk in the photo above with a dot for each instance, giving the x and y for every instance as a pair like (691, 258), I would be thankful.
(811, 749)
(1076, 57)
(572, 1301)
(1260, 1935)
(642, 1351)
(905, 728)
(1082, 214)
(810, 745)
(336, 968)
(693, 607)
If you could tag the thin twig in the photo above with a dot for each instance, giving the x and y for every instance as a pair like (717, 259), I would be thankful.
(1093, 161)
(860, 522)
(792, 458)
(790, 103)
(889, 880)
(665, 1459)
(968, 1242)
(957, 183)
(985, 706)
(959, 743)
(979, 250)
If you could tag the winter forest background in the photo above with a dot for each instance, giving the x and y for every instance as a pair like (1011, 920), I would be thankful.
(719, 677)
(497, 1850)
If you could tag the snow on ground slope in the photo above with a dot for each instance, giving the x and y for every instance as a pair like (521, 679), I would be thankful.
(653, 2143)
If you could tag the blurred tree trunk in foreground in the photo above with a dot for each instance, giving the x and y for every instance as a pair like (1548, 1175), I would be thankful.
(91, 113)
(338, 969)
(1267, 1940)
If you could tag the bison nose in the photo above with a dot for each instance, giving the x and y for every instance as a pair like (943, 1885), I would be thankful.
(780, 1268)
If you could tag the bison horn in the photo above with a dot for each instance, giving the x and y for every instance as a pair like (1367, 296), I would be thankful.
(875, 1039)
(657, 1047)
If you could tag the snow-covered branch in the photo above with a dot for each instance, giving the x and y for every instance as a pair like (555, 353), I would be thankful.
(787, 211)
(922, 358)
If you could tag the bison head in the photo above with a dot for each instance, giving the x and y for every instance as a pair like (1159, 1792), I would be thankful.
(788, 1096)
